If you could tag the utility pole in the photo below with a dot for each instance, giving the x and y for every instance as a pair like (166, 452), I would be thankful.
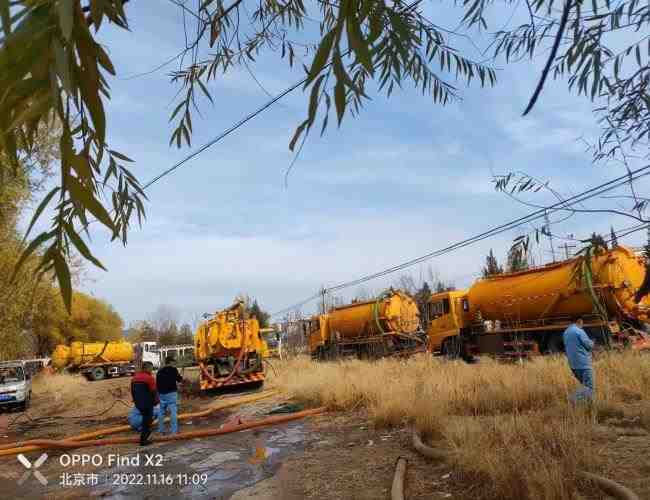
(548, 233)
(323, 293)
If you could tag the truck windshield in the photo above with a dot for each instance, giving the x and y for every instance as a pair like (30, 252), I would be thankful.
(11, 374)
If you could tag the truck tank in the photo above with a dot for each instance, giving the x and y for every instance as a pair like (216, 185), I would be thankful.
(89, 352)
(61, 356)
(223, 334)
(552, 290)
(394, 311)
(230, 349)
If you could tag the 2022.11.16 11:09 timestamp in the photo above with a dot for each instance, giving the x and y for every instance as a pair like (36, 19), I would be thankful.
(159, 479)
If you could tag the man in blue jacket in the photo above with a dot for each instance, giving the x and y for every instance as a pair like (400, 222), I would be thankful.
(578, 347)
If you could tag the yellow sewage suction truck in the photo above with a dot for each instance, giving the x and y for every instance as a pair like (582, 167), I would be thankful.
(524, 313)
(98, 360)
(387, 325)
(229, 349)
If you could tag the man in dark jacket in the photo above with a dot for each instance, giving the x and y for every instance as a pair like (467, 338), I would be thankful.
(145, 397)
(166, 379)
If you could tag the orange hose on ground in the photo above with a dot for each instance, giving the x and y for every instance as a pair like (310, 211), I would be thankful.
(66, 444)
(31, 444)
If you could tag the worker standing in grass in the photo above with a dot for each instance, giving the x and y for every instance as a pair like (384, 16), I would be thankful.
(145, 397)
(166, 379)
(578, 347)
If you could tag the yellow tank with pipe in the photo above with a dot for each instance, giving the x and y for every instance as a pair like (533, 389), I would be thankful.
(227, 332)
(230, 349)
(393, 311)
(61, 356)
(552, 290)
(81, 353)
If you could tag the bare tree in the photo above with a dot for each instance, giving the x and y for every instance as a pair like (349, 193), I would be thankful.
(164, 319)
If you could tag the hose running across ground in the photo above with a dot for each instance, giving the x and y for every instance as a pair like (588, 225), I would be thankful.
(397, 490)
(610, 487)
(71, 444)
(32, 445)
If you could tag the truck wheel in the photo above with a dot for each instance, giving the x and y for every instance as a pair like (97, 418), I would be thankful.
(452, 347)
(97, 373)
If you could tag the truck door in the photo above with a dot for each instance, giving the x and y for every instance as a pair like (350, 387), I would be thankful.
(442, 321)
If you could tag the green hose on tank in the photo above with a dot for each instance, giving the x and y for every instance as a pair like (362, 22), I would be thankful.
(375, 311)
(583, 273)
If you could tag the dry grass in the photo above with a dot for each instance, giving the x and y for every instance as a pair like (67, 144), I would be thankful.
(72, 395)
(509, 428)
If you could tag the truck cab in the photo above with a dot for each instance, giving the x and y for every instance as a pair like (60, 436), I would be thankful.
(15, 384)
(149, 351)
(447, 314)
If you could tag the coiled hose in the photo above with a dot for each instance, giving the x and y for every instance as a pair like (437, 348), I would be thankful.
(235, 368)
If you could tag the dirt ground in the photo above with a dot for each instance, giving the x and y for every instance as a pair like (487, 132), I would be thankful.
(337, 456)
(109, 407)
(353, 460)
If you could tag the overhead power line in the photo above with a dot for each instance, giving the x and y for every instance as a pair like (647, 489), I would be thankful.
(538, 214)
(493, 231)
(226, 132)
(623, 233)
(250, 116)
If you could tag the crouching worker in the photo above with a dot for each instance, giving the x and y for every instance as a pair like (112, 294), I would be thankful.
(145, 397)
(166, 380)
(135, 418)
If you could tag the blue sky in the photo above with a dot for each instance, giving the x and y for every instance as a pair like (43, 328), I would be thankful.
(404, 178)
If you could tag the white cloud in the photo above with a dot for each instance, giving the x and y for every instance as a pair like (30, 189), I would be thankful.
(405, 178)
(203, 272)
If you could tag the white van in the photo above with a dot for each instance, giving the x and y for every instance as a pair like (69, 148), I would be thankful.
(15, 384)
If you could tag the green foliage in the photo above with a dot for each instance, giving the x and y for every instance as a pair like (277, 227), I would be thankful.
(444, 286)
(185, 335)
(169, 336)
(492, 266)
(422, 298)
(255, 311)
(142, 331)
(90, 319)
(163, 328)
(582, 273)
(602, 48)
(19, 299)
(52, 70)
(33, 318)
(518, 256)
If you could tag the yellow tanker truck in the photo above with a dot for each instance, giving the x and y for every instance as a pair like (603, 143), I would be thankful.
(229, 348)
(98, 360)
(380, 327)
(524, 313)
